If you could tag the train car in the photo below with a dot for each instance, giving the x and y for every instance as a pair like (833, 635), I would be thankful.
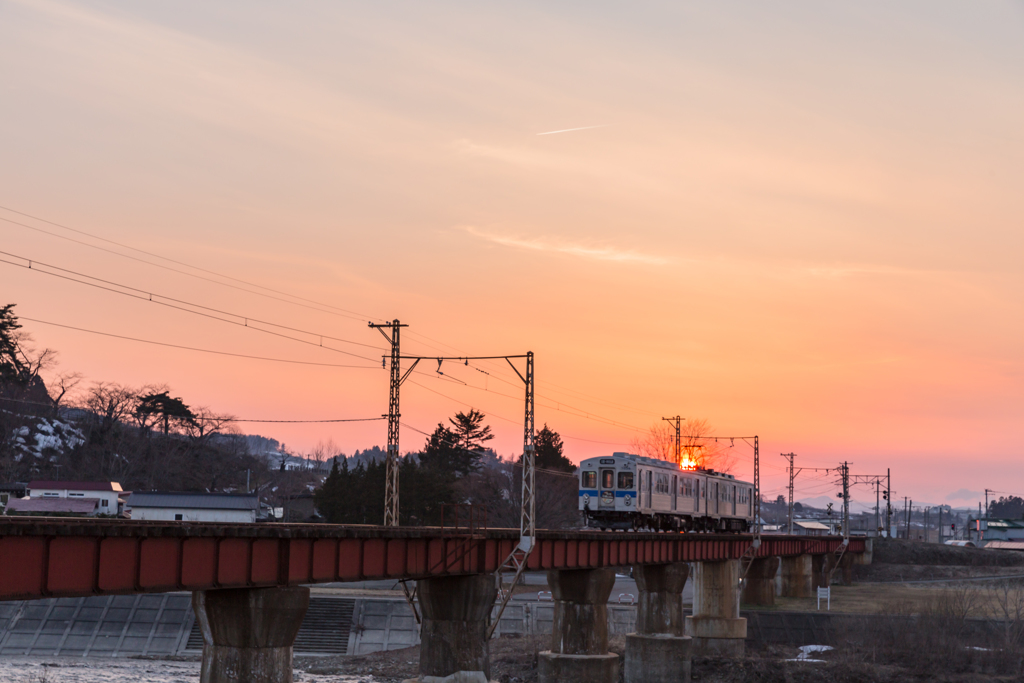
(627, 491)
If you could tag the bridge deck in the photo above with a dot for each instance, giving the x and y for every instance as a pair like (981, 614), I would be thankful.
(42, 557)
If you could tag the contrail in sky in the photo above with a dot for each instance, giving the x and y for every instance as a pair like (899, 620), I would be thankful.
(569, 130)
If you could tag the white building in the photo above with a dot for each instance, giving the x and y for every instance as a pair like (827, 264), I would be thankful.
(229, 508)
(104, 492)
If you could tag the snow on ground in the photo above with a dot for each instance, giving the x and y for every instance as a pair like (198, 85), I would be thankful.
(94, 670)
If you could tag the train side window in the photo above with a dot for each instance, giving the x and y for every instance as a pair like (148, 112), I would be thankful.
(607, 479)
(625, 480)
(590, 480)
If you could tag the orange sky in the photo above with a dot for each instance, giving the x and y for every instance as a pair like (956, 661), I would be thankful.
(802, 222)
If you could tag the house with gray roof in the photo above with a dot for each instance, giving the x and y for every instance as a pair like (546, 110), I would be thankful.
(170, 506)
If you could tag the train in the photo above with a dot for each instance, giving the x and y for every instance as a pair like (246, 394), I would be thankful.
(626, 491)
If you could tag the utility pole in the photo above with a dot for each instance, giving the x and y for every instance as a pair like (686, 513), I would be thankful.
(792, 476)
(391, 461)
(888, 501)
(987, 491)
(675, 421)
(516, 561)
(844, 471)
(878, 504)
(906, 519)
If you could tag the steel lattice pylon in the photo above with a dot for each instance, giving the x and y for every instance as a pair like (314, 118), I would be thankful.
(516, 561)
(391, 462)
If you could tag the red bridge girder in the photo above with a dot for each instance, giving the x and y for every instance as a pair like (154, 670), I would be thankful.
(43, 557)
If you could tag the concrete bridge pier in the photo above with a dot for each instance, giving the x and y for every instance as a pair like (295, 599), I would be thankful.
(760, 584)
(820, 568)
(453, 636)
(797, 581)
(248, 633)
(716, 626)
(659, 651)
(579, 634)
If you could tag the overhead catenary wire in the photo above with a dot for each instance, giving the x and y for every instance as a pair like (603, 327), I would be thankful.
(192, 348)
(512, 463)
(214, 418)
(180, 304)
(353, 314)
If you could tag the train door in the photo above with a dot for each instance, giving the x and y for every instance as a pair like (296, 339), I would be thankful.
(733, 496)
(650, 487)
(675, 492)
(696, 494)
(715, 489)
(607, 492)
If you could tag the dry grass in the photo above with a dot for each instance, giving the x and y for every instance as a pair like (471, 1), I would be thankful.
(879, 598)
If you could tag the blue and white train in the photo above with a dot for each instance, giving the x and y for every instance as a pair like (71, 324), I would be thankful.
(626, 491)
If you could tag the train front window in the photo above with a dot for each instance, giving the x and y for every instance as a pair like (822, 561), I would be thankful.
(625, 480)
(590, 480)
(607, 479)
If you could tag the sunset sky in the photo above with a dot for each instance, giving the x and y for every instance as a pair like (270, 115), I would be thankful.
(800, 220)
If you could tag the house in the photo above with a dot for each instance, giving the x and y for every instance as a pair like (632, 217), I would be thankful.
(810, 527)
(1001, 529)
(53, 507)
(168, 506)
(11, 491)
(105, 492)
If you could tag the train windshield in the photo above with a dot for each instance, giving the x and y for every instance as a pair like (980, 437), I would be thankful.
(590, 480)
(625, 480)
(607, 479)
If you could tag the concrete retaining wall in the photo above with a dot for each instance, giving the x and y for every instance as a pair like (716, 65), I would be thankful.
(161, 625)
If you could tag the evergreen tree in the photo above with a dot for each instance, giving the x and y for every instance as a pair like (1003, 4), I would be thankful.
(470, 433)
(548, 453)
(441, 453)
(12, 366)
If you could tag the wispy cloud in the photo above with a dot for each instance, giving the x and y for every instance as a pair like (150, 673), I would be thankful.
(591, 251)
(570, 130)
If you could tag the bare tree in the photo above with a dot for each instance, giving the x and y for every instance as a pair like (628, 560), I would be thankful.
(699, 448)
(62, 384)
(1009, 600)
(500, 489)
(322, 453)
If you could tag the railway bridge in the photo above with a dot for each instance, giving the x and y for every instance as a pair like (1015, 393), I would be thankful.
(248, 584)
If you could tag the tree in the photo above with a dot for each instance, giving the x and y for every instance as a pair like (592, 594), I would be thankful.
(548, 454)
(12, 367)
(781, 500)
(457, 449)
(1007, 507)
(164, 408)
(699, 448)
(333, 499)
(470, 434)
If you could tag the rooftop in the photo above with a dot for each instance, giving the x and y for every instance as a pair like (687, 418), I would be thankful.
(74, 485)
(195, 501)
(73, 505)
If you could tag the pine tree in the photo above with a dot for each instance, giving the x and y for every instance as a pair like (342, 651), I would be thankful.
(548, 453)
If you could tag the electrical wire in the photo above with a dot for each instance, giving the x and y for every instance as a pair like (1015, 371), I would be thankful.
(353, 314)
(224, 419)
(149, 297)
(513, 463)
(192, 348)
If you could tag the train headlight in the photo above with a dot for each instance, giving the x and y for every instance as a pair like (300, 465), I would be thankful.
(586, 498)
(629, 500)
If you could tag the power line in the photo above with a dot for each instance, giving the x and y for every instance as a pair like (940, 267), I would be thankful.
(513, 463)
(192, 348)
(557, 407)
(149, 297)
(353, 314)
(220, 419)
